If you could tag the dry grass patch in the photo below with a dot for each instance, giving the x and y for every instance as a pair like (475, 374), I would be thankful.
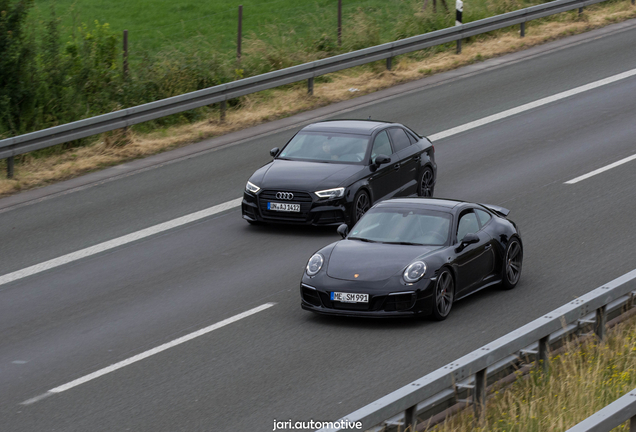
(113, 148)
(581, 382)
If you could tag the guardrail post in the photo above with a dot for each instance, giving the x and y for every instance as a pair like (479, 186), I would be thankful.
(310, 86)
(580, 10)
(223, 108)
(523, 29)
(10, 167)
(543, 358)
(389, 62)
(479, 397)
(599, 325)
(632, 421)
(410, 418)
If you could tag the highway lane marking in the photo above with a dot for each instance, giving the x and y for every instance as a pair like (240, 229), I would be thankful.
(532, 105)
(119, 241)
(56, 262)
(148, 353)
(600, 170)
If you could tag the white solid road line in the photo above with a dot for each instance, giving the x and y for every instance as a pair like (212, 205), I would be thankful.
(148, 353)
(600, 170)
(56, 262)
(119, 241)
(532, 105)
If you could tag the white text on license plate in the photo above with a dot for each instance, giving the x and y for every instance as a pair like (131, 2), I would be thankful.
(350, 297)
(283, 207)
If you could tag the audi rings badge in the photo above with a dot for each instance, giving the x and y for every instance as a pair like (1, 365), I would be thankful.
(284, 196)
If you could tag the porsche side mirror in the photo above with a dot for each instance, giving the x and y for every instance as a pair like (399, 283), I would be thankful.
(470, 238)
(343, 230)
(273, 152)
(381, 159)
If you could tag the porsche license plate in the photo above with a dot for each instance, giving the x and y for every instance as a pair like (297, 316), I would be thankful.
(350, 297)
(283, 207)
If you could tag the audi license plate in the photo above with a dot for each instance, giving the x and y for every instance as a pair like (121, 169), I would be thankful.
(283, 207)
(350, 297)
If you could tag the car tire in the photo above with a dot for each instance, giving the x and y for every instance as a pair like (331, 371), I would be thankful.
(426, 185)
(361, 203)
(512, 263)
(443, 295)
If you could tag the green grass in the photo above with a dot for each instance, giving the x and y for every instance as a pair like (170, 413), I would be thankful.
(154, 25)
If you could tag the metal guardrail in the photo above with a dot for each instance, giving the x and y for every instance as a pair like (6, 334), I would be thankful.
(11, 147)
(613, 415)
(472, 371)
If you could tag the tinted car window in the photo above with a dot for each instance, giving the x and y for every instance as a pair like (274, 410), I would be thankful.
(326, 147)
(399, 139)
(467, 224)
(396, 225)
(381, 145)
(483, 216)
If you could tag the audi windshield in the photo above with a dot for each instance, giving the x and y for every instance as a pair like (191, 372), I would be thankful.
(326, 147)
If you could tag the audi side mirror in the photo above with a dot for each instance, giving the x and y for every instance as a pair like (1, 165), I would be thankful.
(273, 152)
(381, 159)
(343, 230)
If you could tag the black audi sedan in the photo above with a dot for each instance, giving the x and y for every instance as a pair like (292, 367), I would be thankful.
(332, 172)
(413, 256)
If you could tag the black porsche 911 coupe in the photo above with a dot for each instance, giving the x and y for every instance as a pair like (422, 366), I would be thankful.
(331, 173)
(413, 256)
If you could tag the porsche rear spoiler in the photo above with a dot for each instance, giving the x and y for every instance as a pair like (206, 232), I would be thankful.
(497, 209)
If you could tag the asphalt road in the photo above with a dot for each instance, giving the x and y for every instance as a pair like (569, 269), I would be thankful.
(283, 363)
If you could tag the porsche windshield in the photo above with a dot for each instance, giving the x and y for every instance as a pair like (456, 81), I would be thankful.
(403, 226)
(326, 147)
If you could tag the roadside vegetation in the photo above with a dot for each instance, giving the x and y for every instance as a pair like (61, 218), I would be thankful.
(581, 381)
(77, 72)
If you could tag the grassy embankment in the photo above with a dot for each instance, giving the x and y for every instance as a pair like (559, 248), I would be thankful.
(280, 44)
(581, 381)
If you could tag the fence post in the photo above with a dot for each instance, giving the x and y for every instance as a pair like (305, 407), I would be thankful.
(543, 358)
(240, 31)
(310, 86)
(410, 418)
(10, 167)
(339, 22)
(459, 10)
(479, 398)
(523, 29)
(125, 54)
(599, 324)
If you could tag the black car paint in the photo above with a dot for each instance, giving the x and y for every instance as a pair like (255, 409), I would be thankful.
(399, 177)
(473, 266)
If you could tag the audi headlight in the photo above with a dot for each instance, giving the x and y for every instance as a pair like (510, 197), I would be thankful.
(315, 264)
(251, 187)
(331, 193)
(414, 271)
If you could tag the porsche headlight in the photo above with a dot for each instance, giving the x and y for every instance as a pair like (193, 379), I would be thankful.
(331, 193)
(414, 271)
(315, 264)
(251, 187)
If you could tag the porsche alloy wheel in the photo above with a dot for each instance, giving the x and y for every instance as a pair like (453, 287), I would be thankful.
(444, 294)
(512, 264)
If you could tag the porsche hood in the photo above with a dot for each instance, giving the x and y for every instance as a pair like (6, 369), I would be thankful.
(371, 261)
